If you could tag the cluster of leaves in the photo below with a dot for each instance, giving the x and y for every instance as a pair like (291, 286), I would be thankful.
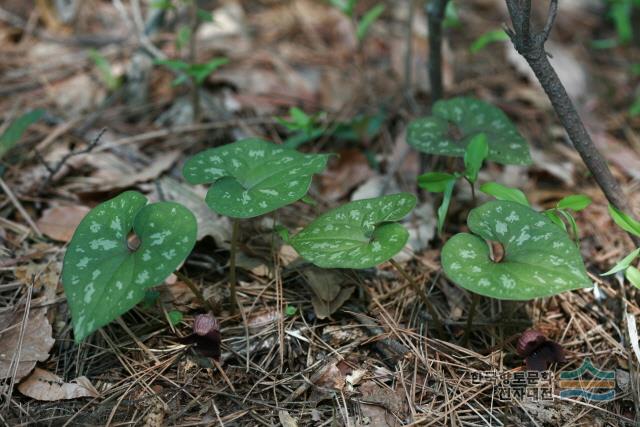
(125, 246)
(363, 24)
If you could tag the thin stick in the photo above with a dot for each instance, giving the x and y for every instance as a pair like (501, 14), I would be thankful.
(199, 295)
(232, 265)
(475, 298)
(423, 296)
(531, 46)
(20, 208)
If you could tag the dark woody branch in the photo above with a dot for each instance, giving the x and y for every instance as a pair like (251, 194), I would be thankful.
(530, 44)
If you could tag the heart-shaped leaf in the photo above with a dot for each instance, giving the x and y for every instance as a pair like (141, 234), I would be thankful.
(102, 277)
(252, 177)
(456, 121)
(359, 234)
(539, 258)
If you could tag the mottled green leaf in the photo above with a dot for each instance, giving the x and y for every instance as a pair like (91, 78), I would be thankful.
(502, 192)
(102, 277)
(359, 234)
(455, 122)
(253, 177)
(539, 258)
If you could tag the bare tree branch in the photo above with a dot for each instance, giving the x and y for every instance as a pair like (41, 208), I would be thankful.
(530, 45)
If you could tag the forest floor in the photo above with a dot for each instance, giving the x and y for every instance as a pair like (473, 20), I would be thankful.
(339, 347)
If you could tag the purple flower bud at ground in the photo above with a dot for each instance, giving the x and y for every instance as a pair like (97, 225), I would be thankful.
(538, 351)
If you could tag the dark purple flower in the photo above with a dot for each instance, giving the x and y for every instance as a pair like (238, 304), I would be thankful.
(205, 337)
(538, 351)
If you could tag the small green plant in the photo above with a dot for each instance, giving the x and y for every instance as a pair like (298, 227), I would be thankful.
(197, 72)
(304, 127)
(632, 226)
(360, 234)
(251, 177)
(17, 128)
(107, 269)
(455, 122)
(493, 36)
(364, 23)
(440, 182)
(104, 67)
(538, 260)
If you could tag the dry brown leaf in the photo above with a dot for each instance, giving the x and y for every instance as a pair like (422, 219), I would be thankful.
(328, 289)
(44, 385)
(59, 222)
(36, 342)
(209, 223)
(345, 172)
(286, 419)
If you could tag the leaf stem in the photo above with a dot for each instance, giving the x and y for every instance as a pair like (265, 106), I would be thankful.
(473, 190)
(232, 265)
(194, 288)
(475, 298)
(423, 296)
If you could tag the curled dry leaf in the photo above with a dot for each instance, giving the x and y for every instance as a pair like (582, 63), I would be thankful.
(329, 292)
(44, 385)
(59, 222)
(36, 342)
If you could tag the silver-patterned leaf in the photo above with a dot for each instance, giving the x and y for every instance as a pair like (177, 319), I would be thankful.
(468, 117)
(359, 234)
(253, 177)
(539, 257)
(102, 277)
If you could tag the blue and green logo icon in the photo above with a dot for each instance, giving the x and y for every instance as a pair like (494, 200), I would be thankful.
(588, 382)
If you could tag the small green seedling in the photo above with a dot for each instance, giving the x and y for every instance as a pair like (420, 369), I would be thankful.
(439, 182)
(493, 36)
(251, 177)
(539, 259)
(632, 226)
(363, 24)
(197, 72)
(304, 127)
(17, 128)
(106, 271)
(111, 81)
(455, 122)
(359, 234)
